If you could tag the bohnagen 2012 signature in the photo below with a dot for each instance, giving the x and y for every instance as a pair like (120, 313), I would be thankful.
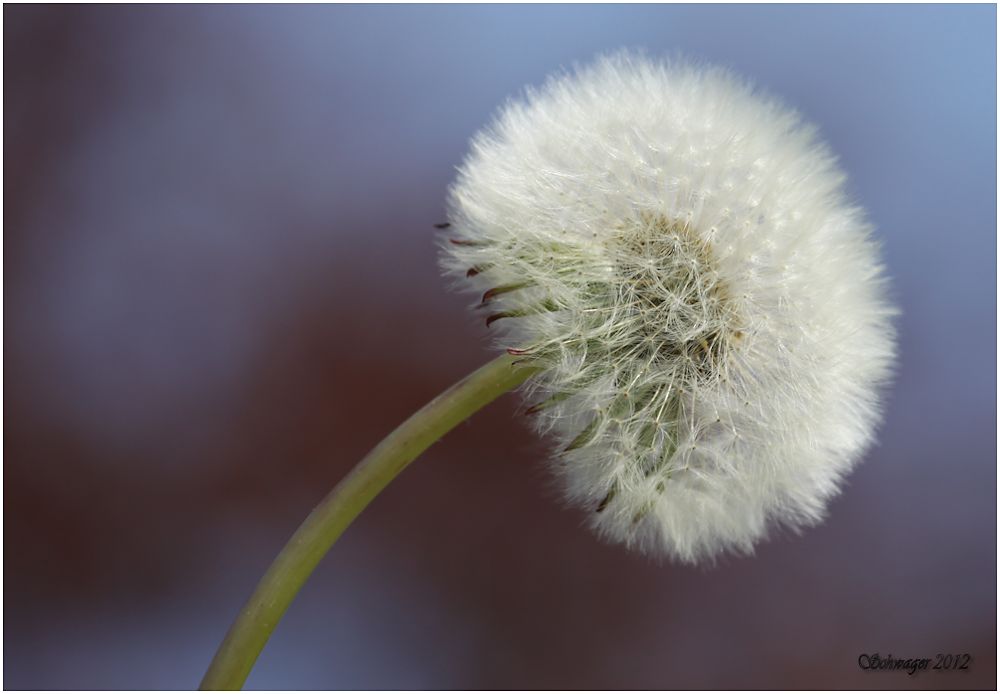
(911, 666)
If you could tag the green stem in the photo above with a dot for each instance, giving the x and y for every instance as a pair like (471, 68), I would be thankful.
(293, 566)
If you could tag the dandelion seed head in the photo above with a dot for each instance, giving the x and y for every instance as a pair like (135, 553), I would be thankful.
(677, 252)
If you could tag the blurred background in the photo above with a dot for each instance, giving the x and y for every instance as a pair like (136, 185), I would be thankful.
(221, 290)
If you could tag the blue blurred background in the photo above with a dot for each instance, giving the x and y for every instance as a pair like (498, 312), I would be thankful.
(221, 289)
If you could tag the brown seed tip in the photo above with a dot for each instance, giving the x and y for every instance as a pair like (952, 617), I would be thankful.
(490, 293)
(493, 317)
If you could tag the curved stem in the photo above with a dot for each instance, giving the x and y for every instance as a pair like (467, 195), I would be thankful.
(279, 586)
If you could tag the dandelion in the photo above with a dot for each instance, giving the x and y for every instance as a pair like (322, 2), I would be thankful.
(695, 311)
(676, 253)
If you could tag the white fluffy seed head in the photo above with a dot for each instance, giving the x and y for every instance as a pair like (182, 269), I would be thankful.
(677, 252)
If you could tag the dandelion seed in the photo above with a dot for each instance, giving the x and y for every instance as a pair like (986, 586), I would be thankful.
(677, 253)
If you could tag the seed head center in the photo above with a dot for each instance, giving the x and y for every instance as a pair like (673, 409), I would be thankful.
(669, 293)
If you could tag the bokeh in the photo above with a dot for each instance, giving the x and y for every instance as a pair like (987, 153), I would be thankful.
(221, 289)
